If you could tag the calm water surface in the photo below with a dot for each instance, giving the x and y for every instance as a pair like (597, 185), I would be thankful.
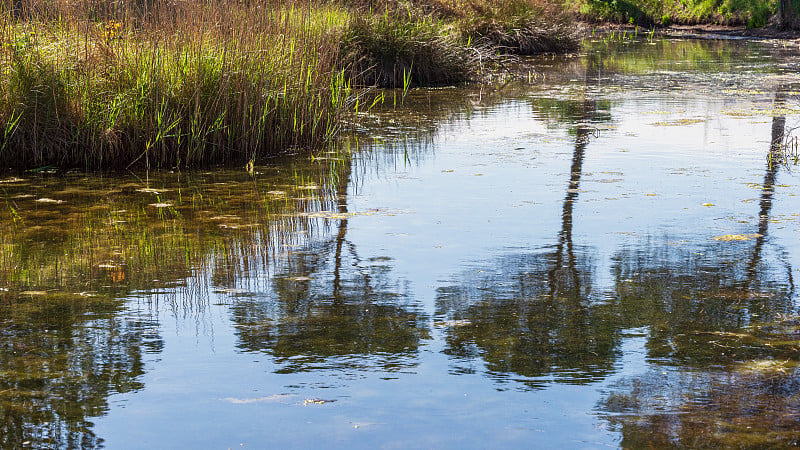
(601, 256)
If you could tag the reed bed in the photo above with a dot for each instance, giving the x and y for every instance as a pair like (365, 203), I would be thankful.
(391, 50)
(168, 84)
(172, 85)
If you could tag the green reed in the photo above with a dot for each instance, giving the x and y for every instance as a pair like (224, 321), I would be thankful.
(200, 84)
(434, 42)
(516, 26)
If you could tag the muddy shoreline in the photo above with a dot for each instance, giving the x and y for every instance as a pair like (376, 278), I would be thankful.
(703, 31)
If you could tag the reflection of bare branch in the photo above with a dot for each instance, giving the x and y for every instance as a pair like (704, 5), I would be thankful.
(583, 133)
(768, 186)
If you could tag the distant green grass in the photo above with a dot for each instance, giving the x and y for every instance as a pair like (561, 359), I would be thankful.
(752, 13)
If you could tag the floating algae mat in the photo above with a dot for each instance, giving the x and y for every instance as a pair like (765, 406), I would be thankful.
(621, 274)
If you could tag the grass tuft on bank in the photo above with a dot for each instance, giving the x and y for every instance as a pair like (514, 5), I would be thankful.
(516, 26)
(398, 50)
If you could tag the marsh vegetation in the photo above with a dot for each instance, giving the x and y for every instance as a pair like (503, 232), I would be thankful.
(176, 84)
(183, 84)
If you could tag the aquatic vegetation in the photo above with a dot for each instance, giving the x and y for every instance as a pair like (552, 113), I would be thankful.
(749, 404)
(69, 340)
(678, 122)
(737, 237)
(787, 152)
(111, 237)
(316, 401)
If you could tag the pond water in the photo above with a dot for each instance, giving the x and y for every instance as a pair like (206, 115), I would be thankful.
(600, 255)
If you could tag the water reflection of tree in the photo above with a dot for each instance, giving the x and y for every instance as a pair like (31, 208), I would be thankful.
(751, 409)
(532, 314)
(61, 358)
(768, 185)
(682, 293)
(523, 321)
(334, 309)
(732, 321)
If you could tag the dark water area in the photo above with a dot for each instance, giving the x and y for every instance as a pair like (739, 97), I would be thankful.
(602, 254)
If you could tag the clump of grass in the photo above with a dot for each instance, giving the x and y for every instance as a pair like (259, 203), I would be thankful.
(395, 50)
(516, 26)
(433, 42)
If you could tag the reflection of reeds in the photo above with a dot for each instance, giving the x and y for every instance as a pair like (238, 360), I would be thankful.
(115, 238)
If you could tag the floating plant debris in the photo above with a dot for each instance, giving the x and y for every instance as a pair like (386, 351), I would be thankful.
(737, 237)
